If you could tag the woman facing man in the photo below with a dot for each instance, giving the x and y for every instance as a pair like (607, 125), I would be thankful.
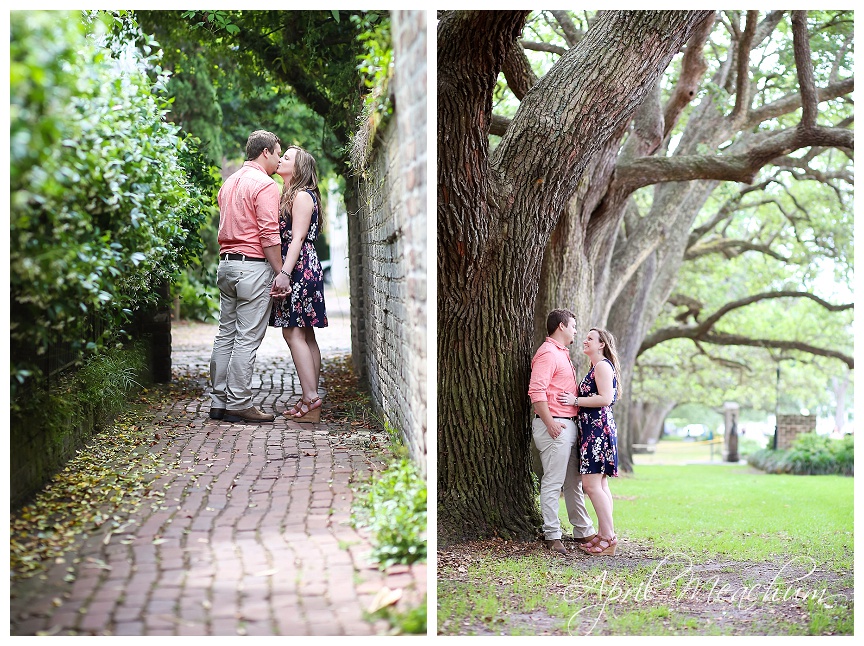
(598, 436)
(563, 420)
(302, 309)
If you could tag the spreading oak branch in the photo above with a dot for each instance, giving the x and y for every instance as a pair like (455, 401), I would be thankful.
(704, 331)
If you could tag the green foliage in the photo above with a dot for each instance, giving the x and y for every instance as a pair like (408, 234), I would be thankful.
(102, 206)
(195, 104)
(811, 454)
(408, 622)
(99, 388)
(394, 511)
(376, 62)
(106, 379)
(199, 299)
(213, 21)
(375, 68)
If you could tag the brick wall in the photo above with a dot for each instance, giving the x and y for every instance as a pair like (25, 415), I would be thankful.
(387, 247)
(791, 426)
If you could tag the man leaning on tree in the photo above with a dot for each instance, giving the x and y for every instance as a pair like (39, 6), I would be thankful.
(250, 256)
(554, 430)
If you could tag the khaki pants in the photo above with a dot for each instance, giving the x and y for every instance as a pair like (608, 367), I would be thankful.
(244, 300)
(560, 460)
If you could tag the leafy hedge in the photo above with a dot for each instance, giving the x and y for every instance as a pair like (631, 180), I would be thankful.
(810, 454)
(106, 196)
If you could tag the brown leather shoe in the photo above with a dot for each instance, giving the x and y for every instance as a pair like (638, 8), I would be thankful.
(250, 415)
(556, 545)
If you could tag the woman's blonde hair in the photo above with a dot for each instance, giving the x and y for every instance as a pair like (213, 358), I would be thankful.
(609, 351)
(305, 176)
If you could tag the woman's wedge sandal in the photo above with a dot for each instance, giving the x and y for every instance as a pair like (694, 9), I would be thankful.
(604, 547)
(589, 541)
(291, 412)
(307, 412)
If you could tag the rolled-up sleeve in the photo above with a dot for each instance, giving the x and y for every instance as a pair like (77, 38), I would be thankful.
(542, 369)
(267, 212)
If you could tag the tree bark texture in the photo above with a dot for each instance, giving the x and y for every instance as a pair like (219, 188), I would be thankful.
(495, 217)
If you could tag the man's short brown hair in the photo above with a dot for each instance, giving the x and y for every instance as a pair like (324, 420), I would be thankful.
(259, 141)
(556, 317)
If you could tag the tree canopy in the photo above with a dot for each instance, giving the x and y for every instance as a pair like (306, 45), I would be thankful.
(300, 74)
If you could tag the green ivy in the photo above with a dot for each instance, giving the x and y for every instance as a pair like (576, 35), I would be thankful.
(375, 67)
(104, 200)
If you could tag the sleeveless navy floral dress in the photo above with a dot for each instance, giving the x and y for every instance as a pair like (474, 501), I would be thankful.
(305, 306)
(598, 436)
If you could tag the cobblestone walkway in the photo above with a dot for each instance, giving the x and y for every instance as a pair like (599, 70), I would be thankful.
(251, 538)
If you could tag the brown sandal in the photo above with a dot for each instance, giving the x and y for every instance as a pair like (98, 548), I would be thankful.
(604, 547)
(587, 541)
(291, 412)
(307, 412)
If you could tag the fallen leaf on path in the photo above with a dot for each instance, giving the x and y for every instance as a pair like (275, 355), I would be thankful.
(385, 597)
(270, 572)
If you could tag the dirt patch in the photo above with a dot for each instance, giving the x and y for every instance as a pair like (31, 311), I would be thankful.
(636, 593)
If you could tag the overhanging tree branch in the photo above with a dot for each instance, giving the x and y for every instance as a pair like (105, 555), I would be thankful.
(742, 93)
(731, 248)
(517, 70)
(732, 339)
(703, 331)
(571, 33)
(543, 47)
(693, 67)
(792, 102)
(499, 125)
(646, 171)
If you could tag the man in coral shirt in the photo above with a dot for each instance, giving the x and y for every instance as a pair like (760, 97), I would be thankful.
(554, 431)
(250, 256)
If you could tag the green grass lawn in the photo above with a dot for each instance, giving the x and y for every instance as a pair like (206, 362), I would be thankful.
(729, 524)
(736, 511)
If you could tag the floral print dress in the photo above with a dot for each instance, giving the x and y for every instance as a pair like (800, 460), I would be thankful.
(598, 436)
(305, 306)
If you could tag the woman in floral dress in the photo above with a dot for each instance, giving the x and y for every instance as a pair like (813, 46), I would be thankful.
(299, 314)
(598, 436)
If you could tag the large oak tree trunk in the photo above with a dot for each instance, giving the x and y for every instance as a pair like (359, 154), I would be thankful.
(495, 217)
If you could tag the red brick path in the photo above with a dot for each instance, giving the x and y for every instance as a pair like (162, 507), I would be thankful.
(251, 538)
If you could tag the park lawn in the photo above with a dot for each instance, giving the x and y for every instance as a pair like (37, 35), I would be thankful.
(724, 525)
(735, 511)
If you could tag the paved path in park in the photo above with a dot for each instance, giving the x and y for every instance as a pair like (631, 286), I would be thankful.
(252, 536)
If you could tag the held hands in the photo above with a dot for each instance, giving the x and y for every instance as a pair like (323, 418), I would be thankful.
(281, 287)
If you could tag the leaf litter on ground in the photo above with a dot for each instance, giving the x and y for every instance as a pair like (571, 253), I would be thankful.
(101, 486)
